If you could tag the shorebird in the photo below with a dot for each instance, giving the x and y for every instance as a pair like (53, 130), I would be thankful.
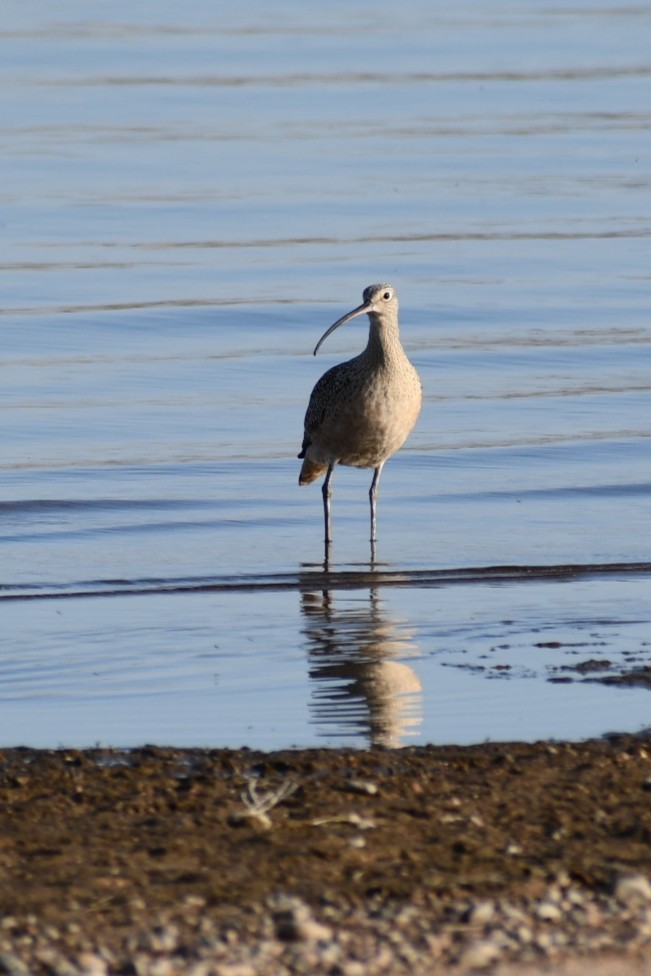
(361, 411)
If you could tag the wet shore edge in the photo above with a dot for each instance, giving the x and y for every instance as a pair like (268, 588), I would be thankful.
(322, 577)
(336, 861)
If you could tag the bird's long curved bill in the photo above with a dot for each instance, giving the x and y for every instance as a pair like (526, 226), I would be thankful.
(366, 307)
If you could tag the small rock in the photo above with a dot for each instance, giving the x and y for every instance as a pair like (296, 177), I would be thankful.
(12, 965)
(544, 941)
(574, 897)
(406, 915)
(203, 968)
(480, 913)
(294, 922)
(54, 962)
(161, 967)
(547, 911)
(514, 914)
(632, 889)
(479, 955)
(194, 902)
(236, 969)
(167, 939)
(354, 968)
(362, 786)
(91, 964)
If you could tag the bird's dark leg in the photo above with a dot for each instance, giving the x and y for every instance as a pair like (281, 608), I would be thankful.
(326, 491)
(373, 497)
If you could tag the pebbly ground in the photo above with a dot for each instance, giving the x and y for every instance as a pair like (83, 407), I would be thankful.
(240, 863)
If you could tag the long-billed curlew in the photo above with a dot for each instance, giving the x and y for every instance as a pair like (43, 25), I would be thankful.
(361, 411)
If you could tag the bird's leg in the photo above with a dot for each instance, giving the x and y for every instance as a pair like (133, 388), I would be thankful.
(373, 497)
(326, 491)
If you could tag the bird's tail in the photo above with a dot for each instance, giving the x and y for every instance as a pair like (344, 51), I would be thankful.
(310, 471)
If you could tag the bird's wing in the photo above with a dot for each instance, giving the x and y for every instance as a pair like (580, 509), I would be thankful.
(322, 400)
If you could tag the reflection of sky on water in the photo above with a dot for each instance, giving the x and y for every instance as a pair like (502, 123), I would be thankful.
(359, 684)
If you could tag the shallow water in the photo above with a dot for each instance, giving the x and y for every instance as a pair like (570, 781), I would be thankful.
(189, 200)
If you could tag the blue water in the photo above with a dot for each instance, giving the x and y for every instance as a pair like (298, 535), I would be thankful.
(189, 198)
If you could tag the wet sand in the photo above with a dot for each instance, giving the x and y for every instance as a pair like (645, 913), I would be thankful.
(237, 862)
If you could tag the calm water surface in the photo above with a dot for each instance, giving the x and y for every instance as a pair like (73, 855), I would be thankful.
(189, 198)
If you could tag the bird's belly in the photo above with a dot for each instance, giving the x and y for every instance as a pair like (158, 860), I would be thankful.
(366, 432)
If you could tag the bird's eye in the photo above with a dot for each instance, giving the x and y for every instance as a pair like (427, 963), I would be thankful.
(386, 296)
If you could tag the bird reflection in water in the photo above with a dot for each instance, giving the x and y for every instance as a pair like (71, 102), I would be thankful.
(359, 688)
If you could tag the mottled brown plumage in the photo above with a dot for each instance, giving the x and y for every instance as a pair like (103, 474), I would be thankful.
(361, 411)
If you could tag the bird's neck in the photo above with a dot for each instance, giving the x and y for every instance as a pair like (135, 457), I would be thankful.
(383, 341)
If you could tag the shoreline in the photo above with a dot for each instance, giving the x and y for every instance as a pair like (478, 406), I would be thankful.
(335, 861)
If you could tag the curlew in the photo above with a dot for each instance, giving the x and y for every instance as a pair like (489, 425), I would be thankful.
(361, 411)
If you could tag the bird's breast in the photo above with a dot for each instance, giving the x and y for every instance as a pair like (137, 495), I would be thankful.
(371, 417)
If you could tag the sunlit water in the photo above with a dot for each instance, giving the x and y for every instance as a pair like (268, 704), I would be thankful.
(190, 196)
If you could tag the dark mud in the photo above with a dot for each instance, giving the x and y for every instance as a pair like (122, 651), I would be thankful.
(238, 853)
